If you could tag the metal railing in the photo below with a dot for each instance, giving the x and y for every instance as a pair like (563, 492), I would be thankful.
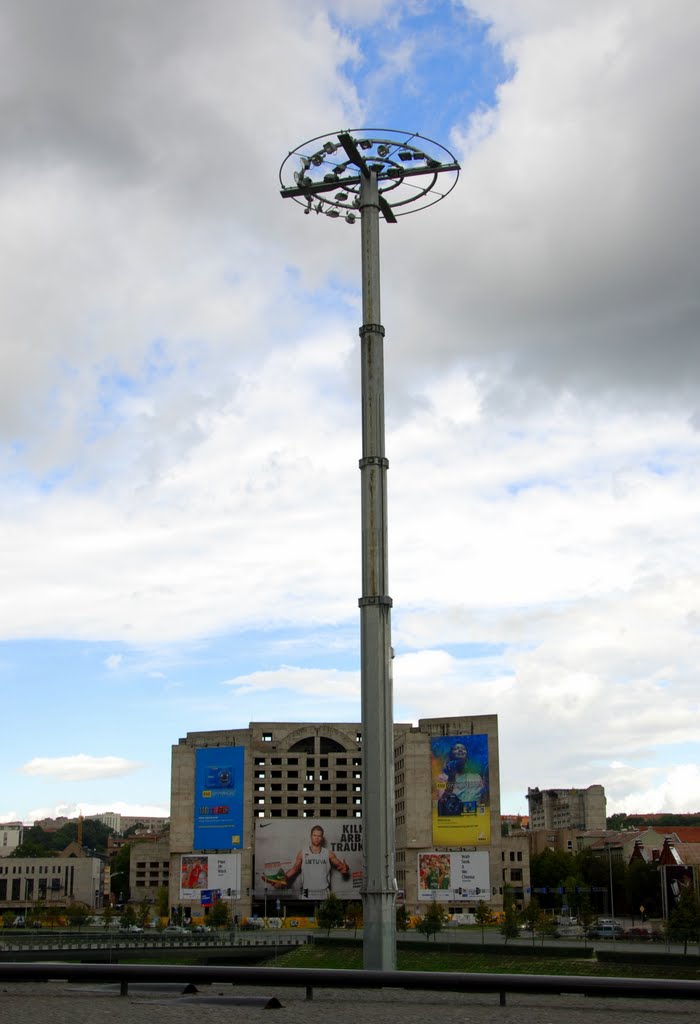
(311, 978)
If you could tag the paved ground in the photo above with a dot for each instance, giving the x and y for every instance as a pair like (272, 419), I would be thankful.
(62, 1003)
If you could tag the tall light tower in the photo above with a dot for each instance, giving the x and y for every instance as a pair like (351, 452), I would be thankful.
(365, 174)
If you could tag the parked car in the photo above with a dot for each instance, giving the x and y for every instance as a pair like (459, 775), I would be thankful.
(609, 930)
(638, 934)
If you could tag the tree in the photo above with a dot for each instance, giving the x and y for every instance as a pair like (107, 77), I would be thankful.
(77, 914)
(52, 914)
(128, 916)
(330, 913)
(432, 920)
(107, 915)
(162, 901)
(509, 926)
(586, 914)
(119, 873)
(403, 918)
(219, 915)
(483, 917)
(354, 915)
(143, 914)
(531, 916)
(684, 920)
(549, 870)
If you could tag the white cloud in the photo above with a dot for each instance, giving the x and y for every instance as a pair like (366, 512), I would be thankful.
(180, 412)
(678, 791)
(78, 767)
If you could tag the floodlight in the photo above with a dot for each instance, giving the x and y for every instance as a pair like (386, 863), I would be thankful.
(406, 172)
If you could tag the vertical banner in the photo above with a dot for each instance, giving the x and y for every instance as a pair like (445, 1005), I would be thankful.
(218, 798)
(460, 790)
(454, 877)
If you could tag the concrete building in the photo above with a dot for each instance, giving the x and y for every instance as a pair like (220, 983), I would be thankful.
(244, 801)
(27, 882)
(149, 869)
(120, 823)
(579, 809)
(515, 866)
(10, 838)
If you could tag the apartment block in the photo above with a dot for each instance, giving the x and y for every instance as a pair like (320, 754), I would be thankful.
(567, 808)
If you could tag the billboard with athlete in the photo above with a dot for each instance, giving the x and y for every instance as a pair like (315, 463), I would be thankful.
(309, 859)
(451, 877)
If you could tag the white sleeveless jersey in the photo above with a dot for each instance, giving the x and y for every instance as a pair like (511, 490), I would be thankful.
(316, 873)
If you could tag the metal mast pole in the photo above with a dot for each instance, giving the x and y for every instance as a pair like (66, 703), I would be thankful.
(375, 615)
(344, 174)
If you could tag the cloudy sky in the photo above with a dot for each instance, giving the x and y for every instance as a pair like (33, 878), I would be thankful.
(179, 387)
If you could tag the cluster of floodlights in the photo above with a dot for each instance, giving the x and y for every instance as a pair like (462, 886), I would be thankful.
(325, 174)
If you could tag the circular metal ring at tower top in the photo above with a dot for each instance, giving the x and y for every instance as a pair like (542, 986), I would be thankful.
(324, 175)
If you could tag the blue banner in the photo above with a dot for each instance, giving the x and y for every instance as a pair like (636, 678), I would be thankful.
(218, 798)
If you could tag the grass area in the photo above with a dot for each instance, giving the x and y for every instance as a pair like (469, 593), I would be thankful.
(476, 962)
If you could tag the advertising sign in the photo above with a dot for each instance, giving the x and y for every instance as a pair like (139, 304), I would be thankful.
(460, 790)
(308, 858)
(202, 872)
(677, 879)
(218, 798)
(454, 877)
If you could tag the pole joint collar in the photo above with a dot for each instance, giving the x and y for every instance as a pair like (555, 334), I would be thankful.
(375, 599)
(374, 460)
(371, 329)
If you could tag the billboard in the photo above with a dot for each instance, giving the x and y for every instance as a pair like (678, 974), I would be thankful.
(218, 798)
(451, 877)
(677, 878)
(460, 790)
(202, 872)
(308, 858)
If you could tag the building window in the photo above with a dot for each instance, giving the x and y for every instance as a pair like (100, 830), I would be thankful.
(267, 737)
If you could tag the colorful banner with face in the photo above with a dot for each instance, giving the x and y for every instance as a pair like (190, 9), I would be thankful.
(460, 793)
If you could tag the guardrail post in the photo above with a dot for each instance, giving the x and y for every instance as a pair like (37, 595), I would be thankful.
(123, 988)
(309, 993)
(502, 998)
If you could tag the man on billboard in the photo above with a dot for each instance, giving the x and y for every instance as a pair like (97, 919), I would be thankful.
(314, 863)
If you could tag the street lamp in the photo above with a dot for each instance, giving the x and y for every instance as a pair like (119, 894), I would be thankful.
(612, 896)
(365, 173)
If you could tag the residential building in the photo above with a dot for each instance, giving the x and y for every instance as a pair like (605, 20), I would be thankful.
(149, 869)
(567, 808)
(10, 838)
